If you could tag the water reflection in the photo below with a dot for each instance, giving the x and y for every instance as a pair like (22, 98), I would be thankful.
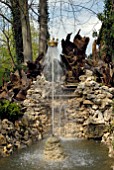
(82, 155)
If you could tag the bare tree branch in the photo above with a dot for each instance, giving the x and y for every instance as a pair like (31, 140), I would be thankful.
(5, 3)
(8, 45)
(3, 16)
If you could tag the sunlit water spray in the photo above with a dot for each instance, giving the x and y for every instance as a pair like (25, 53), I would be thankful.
(53, 71)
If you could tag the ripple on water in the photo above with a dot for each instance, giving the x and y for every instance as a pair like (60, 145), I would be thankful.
(82, 155)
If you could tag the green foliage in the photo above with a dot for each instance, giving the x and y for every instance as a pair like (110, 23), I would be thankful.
(1, 75)
(94, 34)
(107, 18)
(4, 52)
(34, 35)
(4, 73)
(100, 16)
(5, 58)
(10, 110)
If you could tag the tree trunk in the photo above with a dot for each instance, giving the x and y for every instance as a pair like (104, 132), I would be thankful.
(43, 26)
(17, 30)
(26, 32)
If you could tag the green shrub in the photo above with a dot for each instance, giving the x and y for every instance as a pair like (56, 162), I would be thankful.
(4, 73)
(10, 110)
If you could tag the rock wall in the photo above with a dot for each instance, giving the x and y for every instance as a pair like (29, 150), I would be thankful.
(32, 126)
(96, 105)
(98, 101)
(89, 113)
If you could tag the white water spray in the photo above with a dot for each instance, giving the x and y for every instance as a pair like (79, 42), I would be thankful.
(52, 72)
(53, 115)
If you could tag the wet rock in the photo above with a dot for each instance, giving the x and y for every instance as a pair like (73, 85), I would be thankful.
(30, 128)
(95, 107)
(89, 73)
(7, 150)
(94, 132)
(90, 96)
(53, 149)
(17, 145)
(86, 115)
(2, 140)
(87, 102)
(26, 135)
(98, 117)
(97, 101)
(17, 135)
(28, 142)
(111, 151)
(83, 78)
(101, 96)
(25, 121)
(107, 115)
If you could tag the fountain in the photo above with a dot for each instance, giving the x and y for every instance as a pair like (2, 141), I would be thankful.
(52, 67)
(49, 154)
(53, 72)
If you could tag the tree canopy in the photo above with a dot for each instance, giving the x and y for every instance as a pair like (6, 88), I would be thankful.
(16, 17)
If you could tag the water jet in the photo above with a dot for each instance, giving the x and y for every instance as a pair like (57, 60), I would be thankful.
(53, 149)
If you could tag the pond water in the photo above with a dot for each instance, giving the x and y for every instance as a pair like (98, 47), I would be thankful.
(82, 155)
